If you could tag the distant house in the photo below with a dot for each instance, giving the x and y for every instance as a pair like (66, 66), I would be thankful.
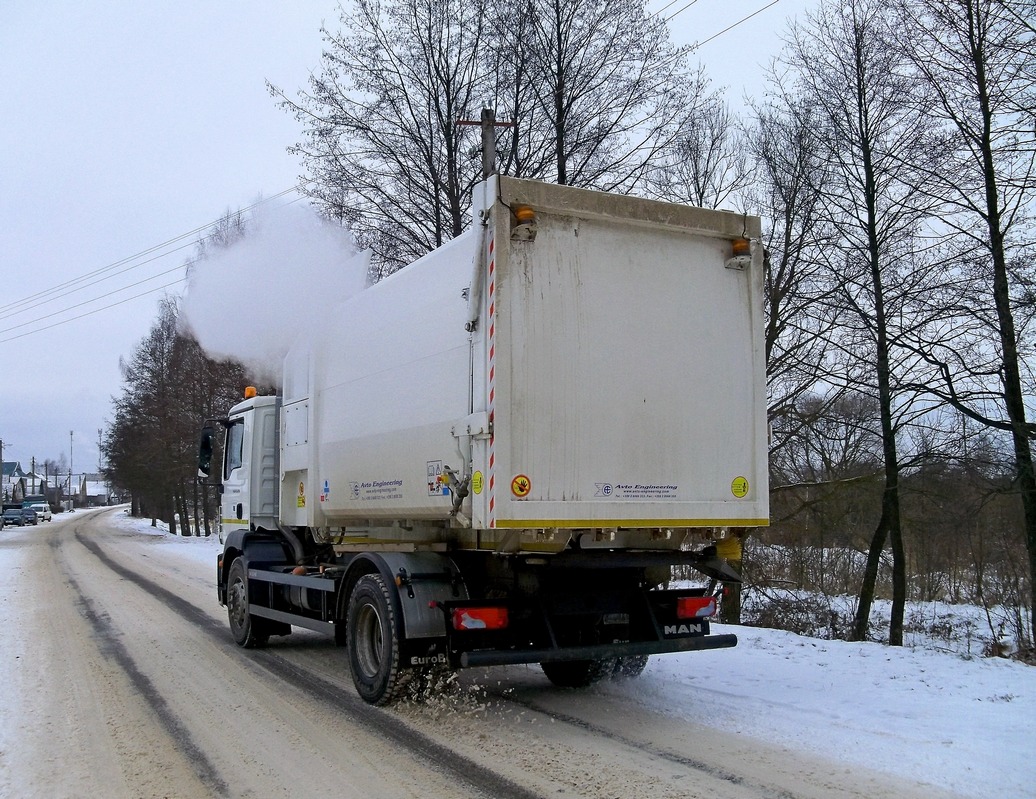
(14, 481)
(93, 491)
(35, 483)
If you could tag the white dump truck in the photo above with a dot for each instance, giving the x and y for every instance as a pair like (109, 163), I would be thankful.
(498, 454)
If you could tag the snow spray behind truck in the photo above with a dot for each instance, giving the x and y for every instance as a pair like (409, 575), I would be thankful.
(497, 454)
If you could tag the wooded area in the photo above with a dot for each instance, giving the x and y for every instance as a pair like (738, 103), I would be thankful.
(893, 161)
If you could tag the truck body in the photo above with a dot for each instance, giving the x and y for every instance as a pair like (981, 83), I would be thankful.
(497, 454)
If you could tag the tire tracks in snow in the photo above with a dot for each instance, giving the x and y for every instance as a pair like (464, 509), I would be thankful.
(667, 755)
(108, 643)
(466, 771)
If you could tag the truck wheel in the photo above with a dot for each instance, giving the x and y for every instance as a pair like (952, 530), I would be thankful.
(629, 666)
(578, 673)
(248, 631)
(372, 631)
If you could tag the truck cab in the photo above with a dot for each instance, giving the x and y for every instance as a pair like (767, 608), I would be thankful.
(248, 476)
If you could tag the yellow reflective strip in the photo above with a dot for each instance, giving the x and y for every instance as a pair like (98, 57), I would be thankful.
(629, 523)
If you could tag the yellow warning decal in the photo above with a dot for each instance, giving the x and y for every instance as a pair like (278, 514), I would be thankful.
(739, 487)
(521, 486)
(302, 495)
(477, 482)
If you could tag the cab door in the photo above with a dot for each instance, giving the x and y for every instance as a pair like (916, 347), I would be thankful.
(234, 503)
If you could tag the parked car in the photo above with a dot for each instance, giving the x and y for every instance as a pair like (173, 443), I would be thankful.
(42, 511)
(14, 516)
(30, 516)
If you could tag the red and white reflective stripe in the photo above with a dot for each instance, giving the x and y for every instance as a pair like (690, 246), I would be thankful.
(492, 377)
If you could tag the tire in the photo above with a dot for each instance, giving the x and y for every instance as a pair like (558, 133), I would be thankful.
(248, 631)
(373, 636)
(578, 673)
(629, 666)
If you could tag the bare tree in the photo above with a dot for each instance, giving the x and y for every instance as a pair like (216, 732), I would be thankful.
(787, 191)
(597, 90)
(592, 93)
(977, 63)
(708, 164)
(848, 70)
(826, 484)
(383, 146)
(170, 387)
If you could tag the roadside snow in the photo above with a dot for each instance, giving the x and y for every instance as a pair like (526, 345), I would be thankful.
(966, 725)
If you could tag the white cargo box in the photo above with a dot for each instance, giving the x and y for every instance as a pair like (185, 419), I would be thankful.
(600, 366)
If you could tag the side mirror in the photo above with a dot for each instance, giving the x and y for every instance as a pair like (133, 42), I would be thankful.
(205, 450)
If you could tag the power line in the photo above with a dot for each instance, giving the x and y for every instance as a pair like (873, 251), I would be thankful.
(681, 52)
(98, 276)
(731, 27)
(675, 13)
(90, 313)
(71, 286)
(95, 299)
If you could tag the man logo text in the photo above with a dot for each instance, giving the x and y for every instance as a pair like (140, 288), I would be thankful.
(683, 629)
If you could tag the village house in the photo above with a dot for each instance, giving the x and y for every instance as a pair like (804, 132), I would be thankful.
(13, 485)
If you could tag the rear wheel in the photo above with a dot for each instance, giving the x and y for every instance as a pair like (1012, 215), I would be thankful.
(578, 673)
(372, 632)
(248, 631)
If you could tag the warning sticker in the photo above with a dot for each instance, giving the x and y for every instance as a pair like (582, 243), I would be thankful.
(739, 487)
(436, 482)
(477, 482)
(302, 495)
(521, 486)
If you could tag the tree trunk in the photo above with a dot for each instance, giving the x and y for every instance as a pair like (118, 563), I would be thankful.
(1014, 401)
(870, 578)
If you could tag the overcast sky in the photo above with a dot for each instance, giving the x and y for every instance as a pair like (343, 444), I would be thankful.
(131, 125)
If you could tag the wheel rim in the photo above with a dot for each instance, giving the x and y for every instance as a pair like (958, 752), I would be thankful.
(370, 642)
(236, 603)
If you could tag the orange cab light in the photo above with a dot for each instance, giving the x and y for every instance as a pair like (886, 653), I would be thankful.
(524, 214)
(250, 391)
(741, 247)
(695, 607)
(492, 618)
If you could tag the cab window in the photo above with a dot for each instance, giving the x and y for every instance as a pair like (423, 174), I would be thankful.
(234, 448)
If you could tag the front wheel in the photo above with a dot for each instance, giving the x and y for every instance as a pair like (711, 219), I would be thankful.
(372, 635)
(248, 631)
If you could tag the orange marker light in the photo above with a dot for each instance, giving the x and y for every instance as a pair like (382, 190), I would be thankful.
(524, 214)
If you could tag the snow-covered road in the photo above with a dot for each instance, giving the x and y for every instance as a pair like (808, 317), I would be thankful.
(121, 680)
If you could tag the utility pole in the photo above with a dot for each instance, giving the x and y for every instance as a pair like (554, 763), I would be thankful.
(107, 485)
(488, 124)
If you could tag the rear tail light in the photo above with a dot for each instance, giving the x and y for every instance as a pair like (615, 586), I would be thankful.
(491, 618)
(695, 607)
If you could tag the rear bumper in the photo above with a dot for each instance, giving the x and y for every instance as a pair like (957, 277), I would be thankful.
(596, 652)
